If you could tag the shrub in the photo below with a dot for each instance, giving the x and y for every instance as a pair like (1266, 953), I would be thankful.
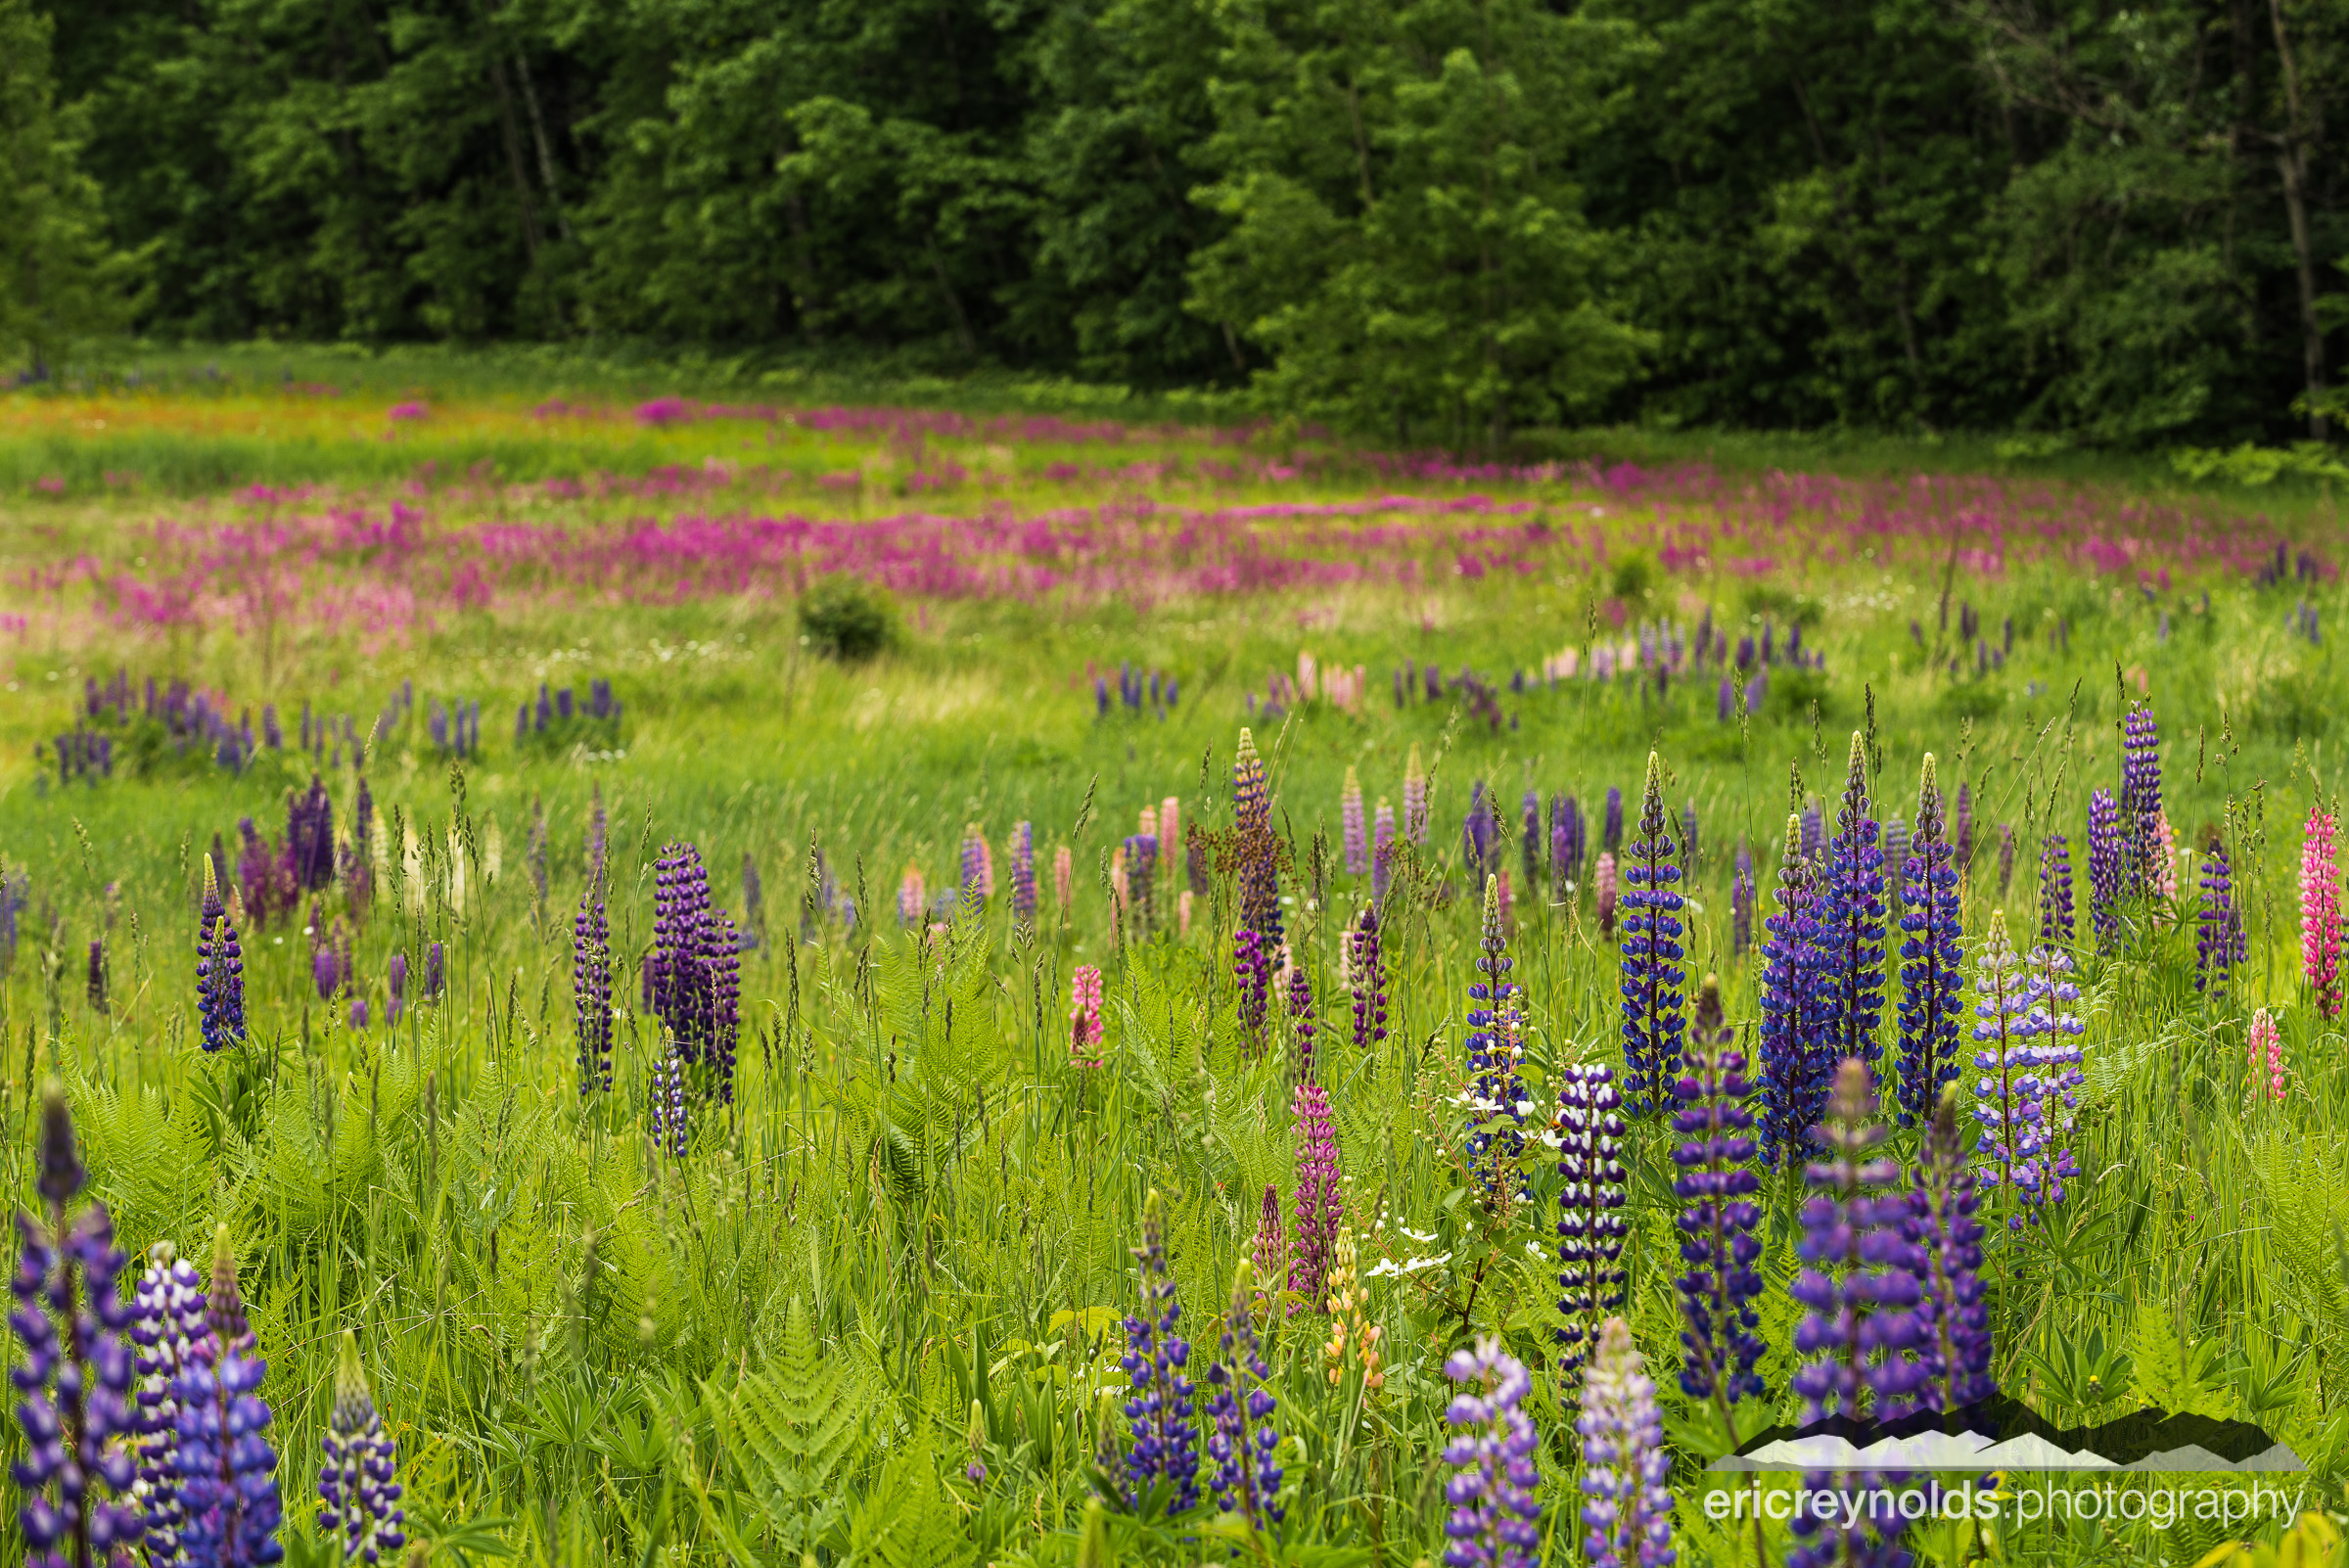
(843, 618)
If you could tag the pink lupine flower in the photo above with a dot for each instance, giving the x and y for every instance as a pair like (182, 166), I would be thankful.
(2321, 912)
(1086, 1029)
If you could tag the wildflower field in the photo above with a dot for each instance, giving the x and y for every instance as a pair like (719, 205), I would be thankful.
(678, 980)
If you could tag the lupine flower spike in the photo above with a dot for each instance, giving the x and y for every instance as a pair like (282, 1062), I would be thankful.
(2055, 892)
(1796, 1063)
(1590, 1133)
(361, 1513)
(169, 1329)
(1085, 1028)
(1414, 799)
(219, 970)
(76, 1469)
(1366, 968)
(1653, 1017)
(1931, 967)
(1320, 1207)
(1495, 1050)
(228, 1482)
(1023, 873)
(2321, 912)
(1350, 812)
(1164, 1451)
(2029, 1070)
(2105, 852)
(1243, 1442)
(2141, 855)
(2266, 1057)
(1626, 1469)
(1953, 1320)
(1382, 852)
(590, 987)
(2220, 943)
(1269, 1251)
(1860, 1286)
(1851, 922)
(1495, 1517)
(1717, 1183)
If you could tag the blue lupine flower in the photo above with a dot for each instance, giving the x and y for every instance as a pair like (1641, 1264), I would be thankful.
(1495, 1517)
(1796, 1062)
(1851, 922)
(1244, 1442)
(1717, 1228)
(1653, 1016)
(1164, 1443)
(1931, 969)
(1953, 1319)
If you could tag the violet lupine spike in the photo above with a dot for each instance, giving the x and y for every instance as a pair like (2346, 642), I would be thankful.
(1611, 825)
(310, 837)
(1301, 1022)
(1851, 922)
(1953, 1320)
(436, 970)
(1797, 1066)
(1252, 968)
(1717, 1183)
(1565, 840)
(95, 983)
(678, 981)
(1162, 1449)
(1242, 1440)
(2105, 863)
(167, 1330)
(1897, 843)
(590, 987)
(2321, 912)
(2030, 1072)
(77, 1472)
(1495, 1050)
(1592, 1232)
(1023, 873)
(1529, 840)
(1961, 830)
(1859, 1337)
(1357, 833)
(978, 870)
(1254, 843)
(2055, 927)
(1625, 1468)
(356, 1483)
(1414, 799)
(1141, 867)
(219, 971)
(228, 1483)
(1367, 969)
(1495, 1491)
(1320, 1207)
(2219, 944)
(722, 962)
(1932, 968)
(395, 988)
(1814, 831)
(1654, 1012)
(2006, 858)
(1382, 852)
(1478, 832)
(2141, 855)
(667, 1102)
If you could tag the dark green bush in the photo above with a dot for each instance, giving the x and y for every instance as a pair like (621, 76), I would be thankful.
(845, 618)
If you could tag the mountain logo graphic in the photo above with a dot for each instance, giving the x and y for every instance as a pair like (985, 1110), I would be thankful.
(2002, 1434)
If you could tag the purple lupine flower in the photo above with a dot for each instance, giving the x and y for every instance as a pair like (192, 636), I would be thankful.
(1796, 1063)
(2219, 942)
(1626, 1469)
(77, 1472)
(1932, 971)
(977, 867)
(1478, 831)
(2141, 850)
(1252, 967)
(228, 1485)
(219, 971)
(1528, 839)
(310, 837)
(1301, 1020)
(1252, 832)
(1741, 904)
(1726, 702)
(1023, 873)
(1350, 813)
(326, 969)
(591, 989)
(1495, 1488)
(1320, 1207)
(1653, 1017)
(1962, 829)
(2027, 1091)
(1858, 1338)
(1814, 831)
(1164, 1449)
(436, 970)
(361, 1513)
(1141, 877)
(1590, 1225)
(1897, 842)
(395, 988)
(358, 1011)
(1717, 1228)
(1953, 1319)
(1851, 922)
(667, 1102)
(1367, 967)
(722, 958)
(2106, 853)
(1382, 852)
(2006, 858)
(1611, 829)
(166, 1329)
(1243, 1442)
(1565, 840)
(1494, 1049)
(95, 985)
(2055, 892)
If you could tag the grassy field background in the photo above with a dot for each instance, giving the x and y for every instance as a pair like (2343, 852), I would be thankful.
(772, 1347)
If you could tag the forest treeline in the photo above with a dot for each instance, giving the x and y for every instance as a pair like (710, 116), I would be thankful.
(1438, 221)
